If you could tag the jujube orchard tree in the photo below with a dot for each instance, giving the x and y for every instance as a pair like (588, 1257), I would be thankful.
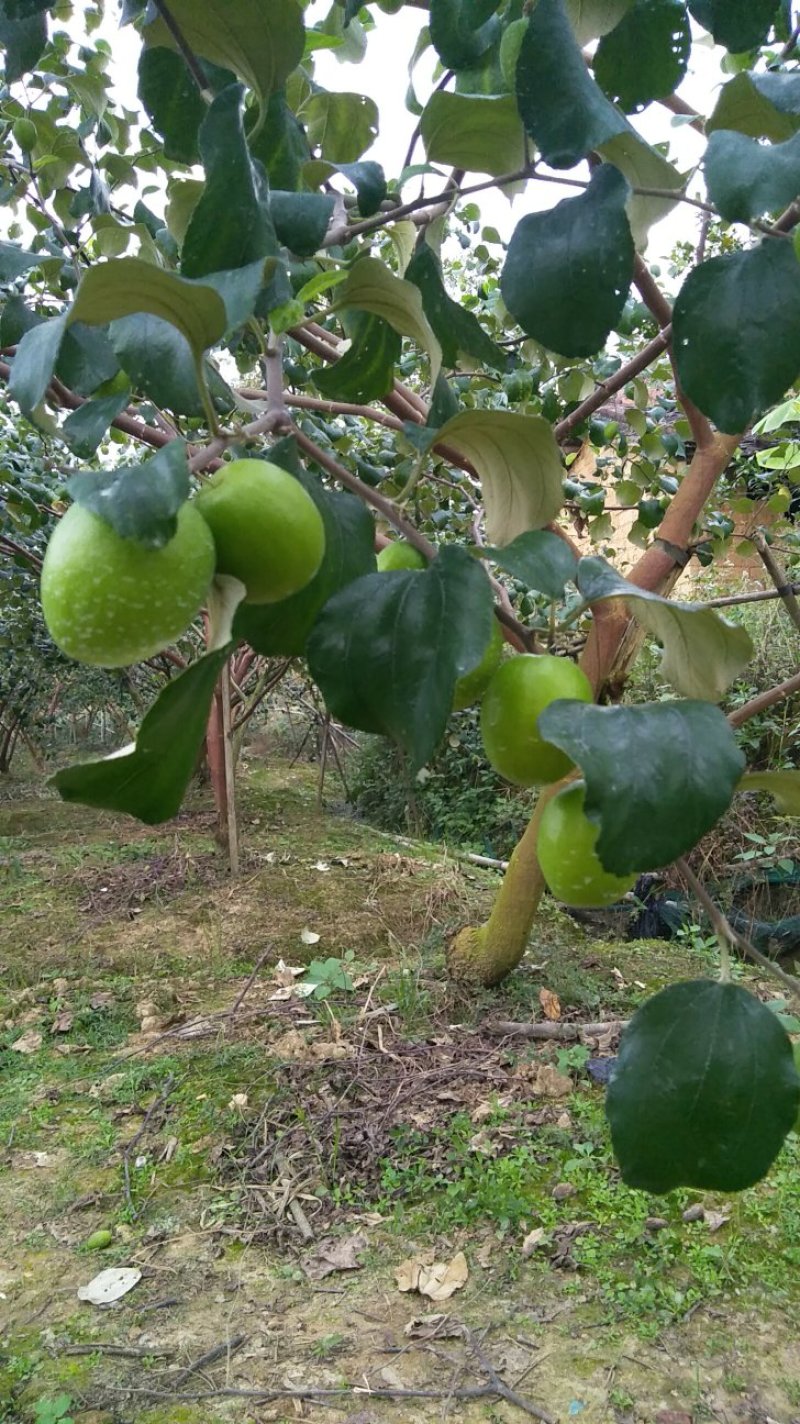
(230, 277)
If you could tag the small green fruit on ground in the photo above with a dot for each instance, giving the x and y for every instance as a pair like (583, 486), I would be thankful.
(400, 555)
(566, 851)
(473, 684)
(267, 530)
(99, 1240)
(110, 601)
(516, 696)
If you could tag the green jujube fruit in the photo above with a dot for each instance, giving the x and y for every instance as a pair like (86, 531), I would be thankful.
(518, 693)
(267, 530)
(110, 601)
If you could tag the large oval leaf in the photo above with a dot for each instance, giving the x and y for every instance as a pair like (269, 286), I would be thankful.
(563, 109)
(658, 776)
(736, 24)
(704, 1091)
(519, 464)
(480, 132)
(388, 650)
(149, 780)
(568, 271)
(261, 43)
(731, 377)
(371, 287)
(646, 55)
(746, 178)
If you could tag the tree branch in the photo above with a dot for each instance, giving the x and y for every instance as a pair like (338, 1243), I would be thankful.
(777, 573)
(765, 700)
(645, 358)
(725, 930)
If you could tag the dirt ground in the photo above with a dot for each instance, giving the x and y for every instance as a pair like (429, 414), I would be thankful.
(346, 1190)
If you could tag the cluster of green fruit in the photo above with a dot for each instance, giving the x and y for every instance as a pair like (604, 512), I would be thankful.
(513, 695)
(112, 601)
(517, 695)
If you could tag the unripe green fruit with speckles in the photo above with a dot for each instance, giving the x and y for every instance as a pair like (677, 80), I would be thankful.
(267, 530)
(569, 862)
(110, 601)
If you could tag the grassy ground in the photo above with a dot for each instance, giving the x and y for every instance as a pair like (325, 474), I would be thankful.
(268, 1161)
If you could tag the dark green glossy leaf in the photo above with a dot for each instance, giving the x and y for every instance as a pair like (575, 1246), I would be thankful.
(704, 1091)
(23, 42)
(281, 145)
(371, 286)
(86, 359)
(736, 24)
(463, 30)
(761, 105)
(282, 629)
(85, 427)
(482, 133)
(341, 125)
(261, 43)
(703, 653)
(733, 380)
(745, 178)
(110, 290)
(150, 781)
(160, 363)
(230, 227)
(646, 55)
(140, 502)
(366, 370)
(443, 406)
(568, 271)
(369, 181)
(539, 559)
(456, 328)
(388, 650)
(301, 220)
(14, 261)
(658, 776)
(24, 9)
(173, 102)
(563, 109)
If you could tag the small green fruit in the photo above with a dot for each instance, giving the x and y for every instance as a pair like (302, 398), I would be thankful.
(516, 696)
(567, 856)
(471, 687)
(99, 1240)
(110, 601)
(267, 530)
(400, 555)
(24, 131)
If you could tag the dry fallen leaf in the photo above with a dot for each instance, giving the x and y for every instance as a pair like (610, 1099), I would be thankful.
(437, 1280)
(310, 936)
(335, 1254)
(102, 1000)
(110, 1285)
(550, 1083)
(238, 1102)
(715, 1219)
(532, 1240)
(551, 1004)
(30, 1042)
(63, 1021)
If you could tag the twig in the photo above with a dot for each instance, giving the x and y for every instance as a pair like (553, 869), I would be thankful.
(225, 1350)
(137, 1137)
(783, 587)
(725, 930)
(359, 1392)
(499, 1385)
(188, 54)
(764, 701)
(640, 362)
(759, 597)
(561, 1032)
(292, 1204)
(124, 1351)
(250, 982)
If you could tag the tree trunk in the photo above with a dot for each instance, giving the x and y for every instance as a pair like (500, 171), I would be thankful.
(487, 954)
